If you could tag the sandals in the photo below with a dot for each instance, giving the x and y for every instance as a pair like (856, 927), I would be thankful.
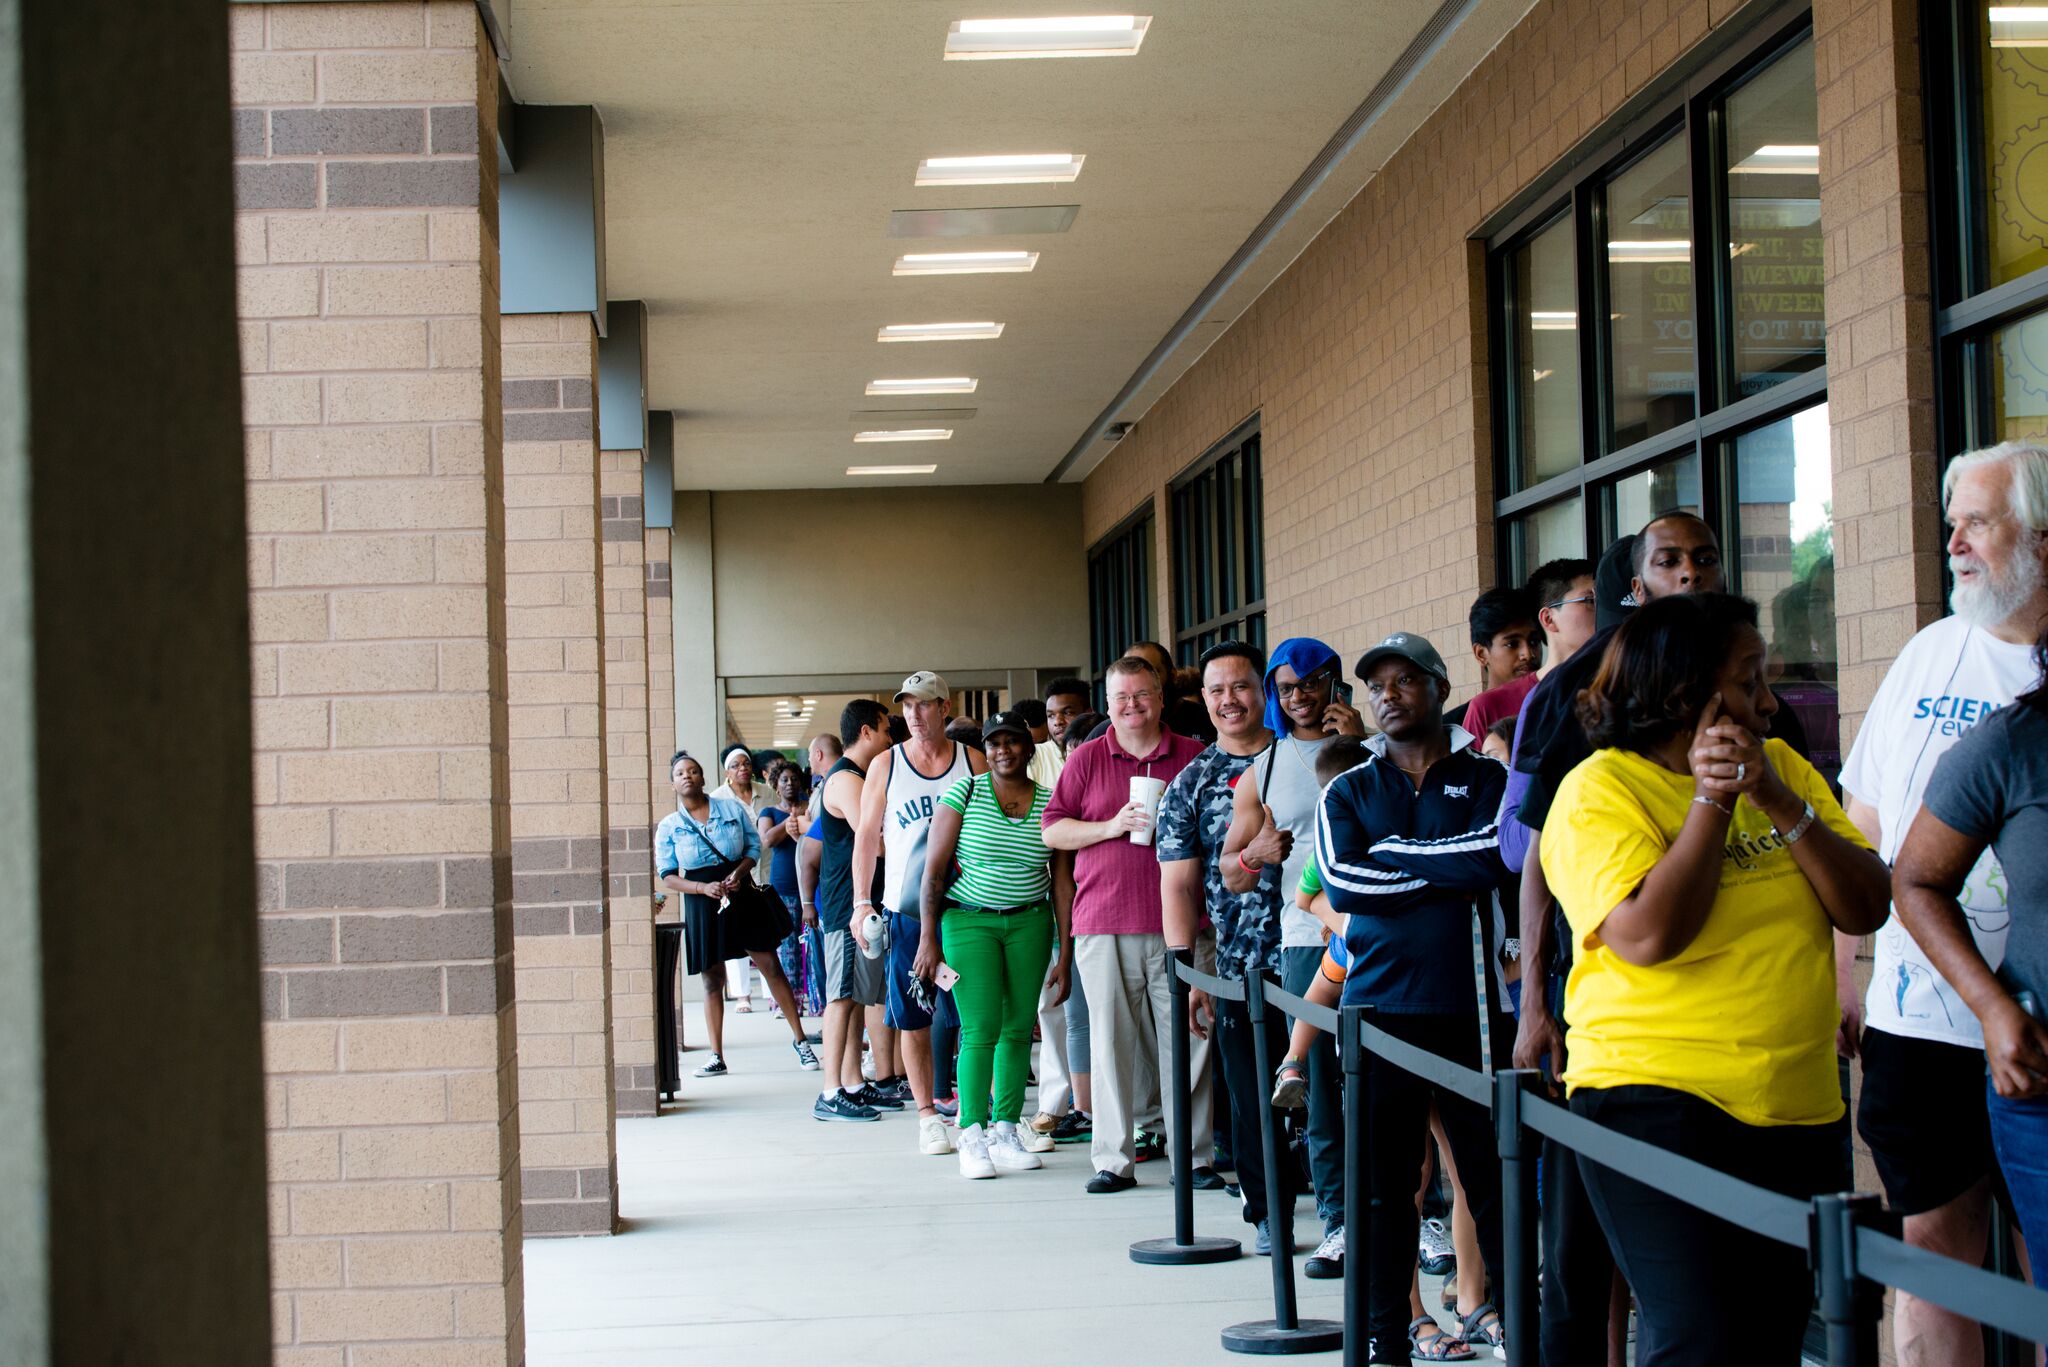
(1493, 1335)
(1438, 1347)
(1290, 1085)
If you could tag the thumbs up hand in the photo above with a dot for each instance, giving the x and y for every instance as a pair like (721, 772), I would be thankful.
(1272, 844)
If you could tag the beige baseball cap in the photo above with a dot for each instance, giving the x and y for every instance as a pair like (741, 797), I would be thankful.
(926, 685)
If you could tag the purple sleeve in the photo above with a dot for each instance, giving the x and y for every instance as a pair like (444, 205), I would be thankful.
(1514, 836)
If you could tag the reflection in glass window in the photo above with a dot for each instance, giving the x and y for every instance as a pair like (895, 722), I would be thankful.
(2018, 356)
(1664, 488)
(1546, 533)
(1546, 351)
(1786, 553)
(1650, 296)
(1773, 166)
(2014, 66)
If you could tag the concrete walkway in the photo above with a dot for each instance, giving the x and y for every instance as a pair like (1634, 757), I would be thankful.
(756, 1236)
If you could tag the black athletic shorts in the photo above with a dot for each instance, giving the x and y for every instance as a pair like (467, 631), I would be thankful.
(1922, 1113)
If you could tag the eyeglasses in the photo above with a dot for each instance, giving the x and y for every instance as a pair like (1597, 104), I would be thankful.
(1126, 699)
(1568, 602)
(1314, 683)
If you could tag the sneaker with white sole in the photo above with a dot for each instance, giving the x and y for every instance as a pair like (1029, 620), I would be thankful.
(1434, 1253)
(805, 1059)
(1006, 1149)
(1034, 1139)
(975, 1158)
(715, 1068)
(931, 1137)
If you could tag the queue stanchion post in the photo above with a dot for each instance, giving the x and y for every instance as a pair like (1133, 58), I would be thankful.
(1518, 1152)
(1351, 1045)
(1850, 1305)
(1286, 1332)
(1185, 1247)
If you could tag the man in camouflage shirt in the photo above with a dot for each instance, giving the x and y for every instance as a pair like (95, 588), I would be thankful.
(1194, 817)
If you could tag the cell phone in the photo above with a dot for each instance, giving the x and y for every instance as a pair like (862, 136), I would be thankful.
(945, 977)
(2029, 1003)
(1343, 692)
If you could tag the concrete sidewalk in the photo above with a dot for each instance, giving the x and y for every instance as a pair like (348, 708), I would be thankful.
(756, 1235)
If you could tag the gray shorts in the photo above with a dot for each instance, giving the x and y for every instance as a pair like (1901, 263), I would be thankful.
(850, 974)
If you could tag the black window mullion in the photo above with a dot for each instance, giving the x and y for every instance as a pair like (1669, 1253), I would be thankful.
(1596, 418)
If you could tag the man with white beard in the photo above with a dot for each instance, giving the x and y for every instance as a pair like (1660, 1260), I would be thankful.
(1922, 1109)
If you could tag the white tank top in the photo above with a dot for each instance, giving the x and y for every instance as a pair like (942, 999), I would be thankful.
(912, 797)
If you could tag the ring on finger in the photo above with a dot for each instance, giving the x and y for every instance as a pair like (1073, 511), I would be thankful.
(1741, 772)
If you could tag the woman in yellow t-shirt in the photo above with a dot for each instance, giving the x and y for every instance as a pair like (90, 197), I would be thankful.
(1702, 869)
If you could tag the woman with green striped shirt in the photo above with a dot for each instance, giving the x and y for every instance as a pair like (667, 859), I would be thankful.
(1000, 914)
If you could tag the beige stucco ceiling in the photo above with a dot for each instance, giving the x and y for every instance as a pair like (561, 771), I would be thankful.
(754, 150)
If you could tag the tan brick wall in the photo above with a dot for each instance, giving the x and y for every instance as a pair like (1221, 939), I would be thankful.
(555, 650)
(629, 783)
(366, 232)
(661, 743)
(1366, 358)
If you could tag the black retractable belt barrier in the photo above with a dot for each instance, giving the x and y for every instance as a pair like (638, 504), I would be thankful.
(1518, 1152)
(1850, 1305)
(1357, 1198)
(1286, 1332)
(1184, 1247)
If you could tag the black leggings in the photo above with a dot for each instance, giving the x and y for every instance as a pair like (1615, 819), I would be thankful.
(1707, 1293)
(1397, 1106)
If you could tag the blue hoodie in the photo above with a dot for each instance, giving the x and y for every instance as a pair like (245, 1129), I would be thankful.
(1304, 655)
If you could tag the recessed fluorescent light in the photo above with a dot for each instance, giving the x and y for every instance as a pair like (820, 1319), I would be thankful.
(945, 384)
(1553, 320)
(890, 469)
(1776, 159)
(938, 332)
(1080, 35)
(1025, 168)
(2019, 26)
(964, 263)
(1658, 249)
(908, 434)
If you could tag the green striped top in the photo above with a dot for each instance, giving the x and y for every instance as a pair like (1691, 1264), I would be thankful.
(1002, 859)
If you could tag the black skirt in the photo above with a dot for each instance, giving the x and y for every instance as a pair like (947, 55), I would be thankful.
(746, 926)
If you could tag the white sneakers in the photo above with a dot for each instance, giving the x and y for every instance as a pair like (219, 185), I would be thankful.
(1006, 1149)
(932, 1141)
(1033, 1139)
(975, 1160)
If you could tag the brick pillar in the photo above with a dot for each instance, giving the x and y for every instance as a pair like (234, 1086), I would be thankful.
(555, 644)
(367, 236)
(632, 840)
(661, 685)
(1881, 374)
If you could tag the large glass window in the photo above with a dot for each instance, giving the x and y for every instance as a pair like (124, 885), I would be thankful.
(1219, 549)
(1661, 312)
(1119, 594)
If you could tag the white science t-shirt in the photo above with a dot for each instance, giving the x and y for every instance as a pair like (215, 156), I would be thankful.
(1949, 677)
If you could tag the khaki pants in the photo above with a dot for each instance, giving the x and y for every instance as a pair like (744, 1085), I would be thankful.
(1130, 1017)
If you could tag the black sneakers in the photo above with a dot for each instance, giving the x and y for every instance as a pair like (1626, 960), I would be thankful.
(1150, 1146)
(715, 1068)
(874, 1098)
(1102, 1183)
(1206, 1179)
(840, 1106)
(1073, 1127)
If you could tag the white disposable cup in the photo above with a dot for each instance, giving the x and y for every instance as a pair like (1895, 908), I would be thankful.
(1147, 791)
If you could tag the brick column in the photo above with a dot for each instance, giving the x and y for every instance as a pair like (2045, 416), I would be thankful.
(1881, 375)
(661, 685)
(367, 236)
(555, 645)
(628, 770)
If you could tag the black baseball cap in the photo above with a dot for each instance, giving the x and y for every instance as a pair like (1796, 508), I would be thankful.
(1005, 721)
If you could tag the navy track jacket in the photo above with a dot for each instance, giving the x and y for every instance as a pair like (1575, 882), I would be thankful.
(1405, 864)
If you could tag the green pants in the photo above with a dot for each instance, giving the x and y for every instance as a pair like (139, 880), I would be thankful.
(1001, 961)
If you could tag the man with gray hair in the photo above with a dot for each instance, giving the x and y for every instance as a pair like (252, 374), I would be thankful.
(1922, 1108)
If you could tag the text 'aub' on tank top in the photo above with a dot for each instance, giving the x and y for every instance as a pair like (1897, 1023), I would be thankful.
(912, 798)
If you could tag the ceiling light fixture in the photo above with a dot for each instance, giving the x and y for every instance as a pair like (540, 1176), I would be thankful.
(1080, 35)
(939, 332)
(1781, 159)
(945, 384)
(908, 434)
(890, 469)
(1025, 168)
(1657, 249)
(964, 263)
(2019, 26)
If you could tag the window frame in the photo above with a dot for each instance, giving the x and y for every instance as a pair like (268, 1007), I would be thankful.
(1210, 591)
(1691, 109)
(1119, 613)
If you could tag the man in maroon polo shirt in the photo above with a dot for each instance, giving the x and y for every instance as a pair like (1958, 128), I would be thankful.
(1119, 940)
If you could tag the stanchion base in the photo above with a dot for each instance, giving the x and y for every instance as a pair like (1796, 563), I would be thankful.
(1267, 1337)
(1167, 1253)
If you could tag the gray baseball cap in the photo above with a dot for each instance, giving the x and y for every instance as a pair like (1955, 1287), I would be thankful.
(1405, 645)
(926, 685)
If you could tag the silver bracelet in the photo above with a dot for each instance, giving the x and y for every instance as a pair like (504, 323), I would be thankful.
(1703, 800)
(1799, 829)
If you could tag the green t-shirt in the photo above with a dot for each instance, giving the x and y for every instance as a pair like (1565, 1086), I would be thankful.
(1002, 859)
(1311, 878)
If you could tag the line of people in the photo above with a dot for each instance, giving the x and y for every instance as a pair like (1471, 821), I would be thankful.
(1614, 864)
